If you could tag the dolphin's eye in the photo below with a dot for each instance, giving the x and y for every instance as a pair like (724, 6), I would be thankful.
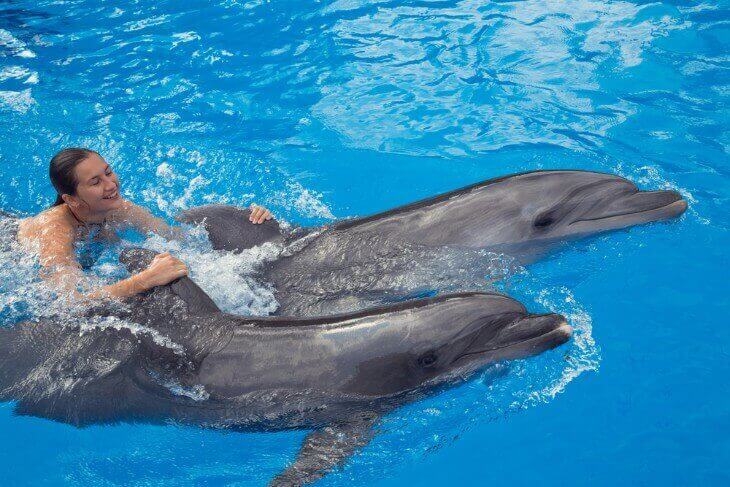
(543, 221)
(427, 359)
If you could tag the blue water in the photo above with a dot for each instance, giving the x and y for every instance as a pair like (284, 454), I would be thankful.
(323, 110)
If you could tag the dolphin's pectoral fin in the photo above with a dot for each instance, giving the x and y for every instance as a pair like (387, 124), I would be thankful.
(327, 448)
(228, 227)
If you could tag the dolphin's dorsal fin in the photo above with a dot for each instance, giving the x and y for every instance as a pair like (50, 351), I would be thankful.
(229, 229)
(327, 448)
(196, 300)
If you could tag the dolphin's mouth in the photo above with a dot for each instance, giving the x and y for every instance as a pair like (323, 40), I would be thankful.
(522, 338)
(639, 207)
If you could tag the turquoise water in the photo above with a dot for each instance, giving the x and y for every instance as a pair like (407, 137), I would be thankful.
(324, 110)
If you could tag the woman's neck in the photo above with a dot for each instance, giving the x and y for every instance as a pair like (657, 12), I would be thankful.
(85, 217)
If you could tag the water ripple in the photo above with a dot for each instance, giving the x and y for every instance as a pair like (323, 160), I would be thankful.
(338, 108)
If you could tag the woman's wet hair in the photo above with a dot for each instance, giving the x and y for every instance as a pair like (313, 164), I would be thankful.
(62, 171)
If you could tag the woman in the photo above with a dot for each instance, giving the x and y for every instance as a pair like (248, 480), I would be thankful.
(88, 201)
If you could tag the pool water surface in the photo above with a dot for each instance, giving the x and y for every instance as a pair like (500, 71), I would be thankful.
(331, 109)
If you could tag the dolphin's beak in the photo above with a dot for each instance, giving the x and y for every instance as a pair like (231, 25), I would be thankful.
(631, 209)
(523, 337)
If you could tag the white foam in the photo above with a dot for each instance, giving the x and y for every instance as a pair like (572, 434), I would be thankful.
(196, 392)
(229, 279)
(170, 179)
(182, 37)
(304, 201)
(18, 101)
(14, 45)
(164, 170)
(18, 72)
(584, 356)
(32, 79)
(146, 22)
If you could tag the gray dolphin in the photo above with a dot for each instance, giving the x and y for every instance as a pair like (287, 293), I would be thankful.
(186, 361)
(524, 216)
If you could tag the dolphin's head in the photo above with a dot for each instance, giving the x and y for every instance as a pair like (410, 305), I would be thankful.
(495, 328)
(559, 205)
(453, 336)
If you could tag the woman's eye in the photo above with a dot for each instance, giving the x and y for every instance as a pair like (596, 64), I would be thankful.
(109, 172)
(95, 182)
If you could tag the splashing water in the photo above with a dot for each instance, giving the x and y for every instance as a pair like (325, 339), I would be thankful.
(230, 279)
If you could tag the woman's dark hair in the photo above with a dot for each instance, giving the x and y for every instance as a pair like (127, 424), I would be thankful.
(61, 171)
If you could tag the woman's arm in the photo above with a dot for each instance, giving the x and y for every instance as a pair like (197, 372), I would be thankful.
(63, 272)
(143, 220)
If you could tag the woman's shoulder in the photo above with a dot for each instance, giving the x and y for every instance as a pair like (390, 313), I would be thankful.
(56, 220)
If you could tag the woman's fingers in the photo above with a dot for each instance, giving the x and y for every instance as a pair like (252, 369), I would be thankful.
(254, 211)
(259, 214)
(265, 215)
(164, 269)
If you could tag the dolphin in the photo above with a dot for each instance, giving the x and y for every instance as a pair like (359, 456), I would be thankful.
(172, 355)
(353, 263)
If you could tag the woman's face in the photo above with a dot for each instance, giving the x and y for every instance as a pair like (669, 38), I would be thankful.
(98, 186)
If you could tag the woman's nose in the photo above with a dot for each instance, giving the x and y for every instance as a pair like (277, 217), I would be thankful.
(109, 184)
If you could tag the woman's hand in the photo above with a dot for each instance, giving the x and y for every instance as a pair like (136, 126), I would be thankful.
(163, 269)
(259, 214)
